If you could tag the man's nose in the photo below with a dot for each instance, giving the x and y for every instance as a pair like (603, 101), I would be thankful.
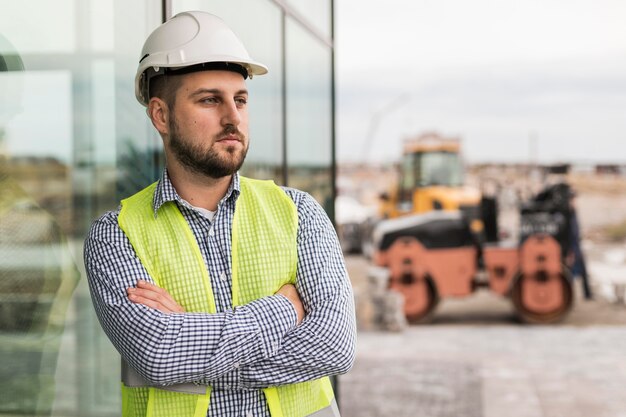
(230, 113)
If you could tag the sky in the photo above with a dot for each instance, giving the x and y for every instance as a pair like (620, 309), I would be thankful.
(515, 80)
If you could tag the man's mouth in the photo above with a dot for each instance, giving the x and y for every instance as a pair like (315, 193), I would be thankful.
(229, 140)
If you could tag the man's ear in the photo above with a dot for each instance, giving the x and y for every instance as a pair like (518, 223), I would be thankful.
(159, 114)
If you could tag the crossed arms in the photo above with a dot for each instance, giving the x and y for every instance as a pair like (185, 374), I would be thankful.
(299, 334)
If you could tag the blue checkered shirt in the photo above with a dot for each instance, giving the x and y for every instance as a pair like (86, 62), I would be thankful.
(236, 351)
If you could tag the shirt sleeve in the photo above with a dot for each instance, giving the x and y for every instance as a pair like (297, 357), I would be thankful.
(175, 348)
(324, 343)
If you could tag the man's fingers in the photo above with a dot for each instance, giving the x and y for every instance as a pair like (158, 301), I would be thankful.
(138, 299)
(154, 297)
(151, 287)
(290, 291)
(154, 300)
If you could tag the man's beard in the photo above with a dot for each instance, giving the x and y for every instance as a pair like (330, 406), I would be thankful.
(207, 162)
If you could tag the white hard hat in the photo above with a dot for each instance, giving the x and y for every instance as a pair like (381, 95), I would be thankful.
(192, 39)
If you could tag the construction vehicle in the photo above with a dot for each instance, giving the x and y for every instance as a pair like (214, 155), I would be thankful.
(439, 251)
(431, 179)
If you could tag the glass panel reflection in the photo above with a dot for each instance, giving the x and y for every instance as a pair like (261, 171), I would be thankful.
(65, 111)
(309, 129)
(317, 13)
(37, 271)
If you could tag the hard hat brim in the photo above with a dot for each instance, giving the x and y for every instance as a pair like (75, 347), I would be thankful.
(189, 39)
(141, 91)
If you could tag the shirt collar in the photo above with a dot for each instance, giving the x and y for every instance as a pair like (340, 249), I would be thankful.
(165, 192)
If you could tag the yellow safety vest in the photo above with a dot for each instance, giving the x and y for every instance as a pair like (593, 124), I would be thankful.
(264, 258)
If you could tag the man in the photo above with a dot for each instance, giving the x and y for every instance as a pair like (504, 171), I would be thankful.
(576, 258)
(225, 296)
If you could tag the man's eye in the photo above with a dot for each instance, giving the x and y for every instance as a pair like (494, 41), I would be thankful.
(209, 100)
(241, 101)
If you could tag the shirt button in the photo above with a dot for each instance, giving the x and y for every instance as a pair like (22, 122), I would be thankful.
(211, 232)
(249, 414)
(236, 365)
(223, 276)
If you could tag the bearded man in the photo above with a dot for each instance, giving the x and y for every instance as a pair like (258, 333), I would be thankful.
(224, 295)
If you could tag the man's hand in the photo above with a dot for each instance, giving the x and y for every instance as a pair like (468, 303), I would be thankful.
(154, 297)
(289, 291)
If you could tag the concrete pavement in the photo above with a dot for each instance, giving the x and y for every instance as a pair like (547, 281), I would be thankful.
(476, 360)
(495, 371)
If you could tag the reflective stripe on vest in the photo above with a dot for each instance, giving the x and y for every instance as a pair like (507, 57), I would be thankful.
(331, 411)
(264, 244)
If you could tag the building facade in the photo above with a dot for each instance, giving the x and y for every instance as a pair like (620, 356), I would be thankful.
(74, 141)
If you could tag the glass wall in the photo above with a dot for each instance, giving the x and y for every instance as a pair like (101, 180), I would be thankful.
(74, 141)
(68, 124)
(309, 114)
(316, 13)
